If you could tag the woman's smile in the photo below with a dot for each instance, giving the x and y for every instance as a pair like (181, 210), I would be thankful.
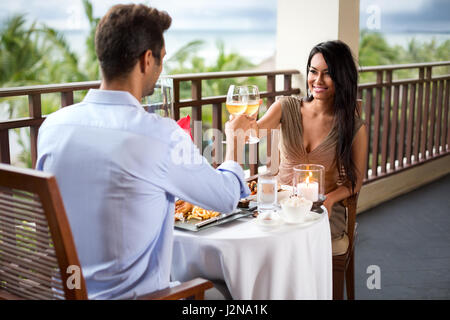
(319, 89)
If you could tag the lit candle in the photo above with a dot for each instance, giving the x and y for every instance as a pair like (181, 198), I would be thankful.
(309, 190)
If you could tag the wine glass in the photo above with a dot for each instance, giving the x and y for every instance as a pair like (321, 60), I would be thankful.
(252, 107)
(237, 99)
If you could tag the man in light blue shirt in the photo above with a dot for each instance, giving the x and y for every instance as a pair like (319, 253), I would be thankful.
(118, 167)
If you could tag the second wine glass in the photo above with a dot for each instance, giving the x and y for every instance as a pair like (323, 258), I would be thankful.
(237, 99)
(252, 107)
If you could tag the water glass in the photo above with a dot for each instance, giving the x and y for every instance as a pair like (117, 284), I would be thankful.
(267, 192)
(161, 100)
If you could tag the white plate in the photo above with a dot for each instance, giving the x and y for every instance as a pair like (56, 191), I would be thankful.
(310, 218)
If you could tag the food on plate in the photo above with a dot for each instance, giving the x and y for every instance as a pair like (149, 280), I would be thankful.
(183, 206)
(243, 203)
(253, 186)
(187, 211)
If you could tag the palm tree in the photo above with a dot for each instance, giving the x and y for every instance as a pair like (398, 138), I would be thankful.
(91, 63)
(34, 54)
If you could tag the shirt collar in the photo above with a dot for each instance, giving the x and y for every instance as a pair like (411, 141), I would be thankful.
(111, 97)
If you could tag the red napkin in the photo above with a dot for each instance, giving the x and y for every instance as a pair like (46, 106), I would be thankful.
(185, 124)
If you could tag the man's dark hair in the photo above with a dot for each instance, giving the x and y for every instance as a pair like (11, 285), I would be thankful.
(125, 33)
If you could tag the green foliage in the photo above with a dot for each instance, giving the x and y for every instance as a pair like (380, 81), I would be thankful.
(374, 51)
(37, 54)
(91, 64)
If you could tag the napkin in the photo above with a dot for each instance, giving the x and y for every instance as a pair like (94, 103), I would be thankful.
(185, 124)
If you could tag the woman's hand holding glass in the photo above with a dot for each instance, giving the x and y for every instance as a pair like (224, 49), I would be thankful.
(245, 100)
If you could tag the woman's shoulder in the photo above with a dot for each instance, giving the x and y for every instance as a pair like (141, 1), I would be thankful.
(291, 103)
(291, 99)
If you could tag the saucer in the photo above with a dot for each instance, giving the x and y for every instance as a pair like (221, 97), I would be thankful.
(269, 224)
(309, 219)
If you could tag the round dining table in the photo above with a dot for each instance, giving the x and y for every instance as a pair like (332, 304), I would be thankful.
(290, 261)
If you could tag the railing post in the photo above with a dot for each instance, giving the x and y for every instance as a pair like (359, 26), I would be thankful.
(419, 116)
(376, 125)
(431, 143)
(176, 99)
(393, 130)
(368, 119)
(409, 133)
(196, 91)
(437, 138)
(446, 138)
(66, 98)
(4, 147)
(287, 82)
(217, 125)
(424, 137)
(386, 116)
(401, 139)
(34, 104)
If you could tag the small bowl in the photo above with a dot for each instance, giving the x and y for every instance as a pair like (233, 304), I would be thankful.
(295, 209)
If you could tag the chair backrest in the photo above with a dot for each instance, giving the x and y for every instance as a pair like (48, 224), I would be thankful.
(351, 203)
(38, 258)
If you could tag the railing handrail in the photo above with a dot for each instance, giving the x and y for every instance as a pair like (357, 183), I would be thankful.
(48, 88)
(404, 66)
(85, 85)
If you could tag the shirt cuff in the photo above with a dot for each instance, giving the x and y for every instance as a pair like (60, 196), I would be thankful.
(236, 169)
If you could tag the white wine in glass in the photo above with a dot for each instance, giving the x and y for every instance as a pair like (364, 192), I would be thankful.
(237, 99)
(252, 107)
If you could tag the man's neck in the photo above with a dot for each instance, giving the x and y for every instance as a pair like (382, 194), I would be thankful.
(123, 85)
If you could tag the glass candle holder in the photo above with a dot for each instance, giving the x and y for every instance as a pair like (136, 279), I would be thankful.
(309, 181)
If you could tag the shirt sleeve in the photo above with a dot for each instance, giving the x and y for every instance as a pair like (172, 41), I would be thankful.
(190, 177)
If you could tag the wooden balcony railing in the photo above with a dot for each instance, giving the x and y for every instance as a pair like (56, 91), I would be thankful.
(407, 119)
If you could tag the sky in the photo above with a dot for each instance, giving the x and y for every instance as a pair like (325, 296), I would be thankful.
(192, 14)
(391, 15)
(407, 15)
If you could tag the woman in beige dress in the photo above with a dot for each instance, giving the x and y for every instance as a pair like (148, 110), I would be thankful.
(324, 128)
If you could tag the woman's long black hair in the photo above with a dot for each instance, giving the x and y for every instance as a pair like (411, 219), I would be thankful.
(344, 73)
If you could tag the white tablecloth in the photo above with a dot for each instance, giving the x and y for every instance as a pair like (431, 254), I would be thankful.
(291, 262)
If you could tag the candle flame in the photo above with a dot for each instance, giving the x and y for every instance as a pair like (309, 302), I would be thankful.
(309, 176)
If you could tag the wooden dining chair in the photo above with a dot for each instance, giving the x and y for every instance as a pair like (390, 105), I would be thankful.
(344, 255)
(38, 258)
(344, 249)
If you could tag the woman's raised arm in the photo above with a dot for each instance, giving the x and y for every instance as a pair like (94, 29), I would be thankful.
(271, 119)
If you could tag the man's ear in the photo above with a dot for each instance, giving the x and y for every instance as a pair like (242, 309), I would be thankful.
(146, 60)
